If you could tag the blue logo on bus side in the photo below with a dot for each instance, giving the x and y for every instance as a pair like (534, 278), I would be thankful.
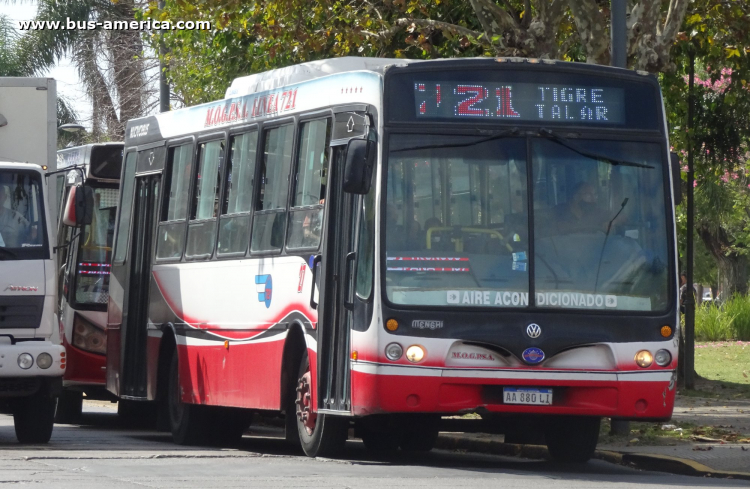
(267, 294)
(533, 355)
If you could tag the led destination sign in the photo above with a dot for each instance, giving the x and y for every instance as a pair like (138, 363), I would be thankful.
(519, 101)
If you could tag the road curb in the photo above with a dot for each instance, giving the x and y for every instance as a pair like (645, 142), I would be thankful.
(642, 461)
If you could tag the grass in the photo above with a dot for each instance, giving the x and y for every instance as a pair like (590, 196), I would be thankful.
(724, 370)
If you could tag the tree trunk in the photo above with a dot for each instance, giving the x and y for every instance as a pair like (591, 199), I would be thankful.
(732, 265)
(733, 275)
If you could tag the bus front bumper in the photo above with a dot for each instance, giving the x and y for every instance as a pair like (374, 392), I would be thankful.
(643, 395)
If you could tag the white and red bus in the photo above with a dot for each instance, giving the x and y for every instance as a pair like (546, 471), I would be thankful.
(84, 256)
(378, 243)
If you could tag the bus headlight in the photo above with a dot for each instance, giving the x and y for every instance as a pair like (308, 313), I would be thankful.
(44, 360)
(644, 359)
(88, 337)
(415, 353)
(25, 361)
(393, 351)
(663, 358)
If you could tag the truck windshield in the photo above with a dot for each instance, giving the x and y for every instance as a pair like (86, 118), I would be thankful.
(457, 224)
(22, 230)
(95, 250)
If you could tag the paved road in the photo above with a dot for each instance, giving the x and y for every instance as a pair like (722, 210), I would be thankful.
(102, 454)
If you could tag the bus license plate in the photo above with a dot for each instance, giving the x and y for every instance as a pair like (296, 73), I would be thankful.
(524, 395)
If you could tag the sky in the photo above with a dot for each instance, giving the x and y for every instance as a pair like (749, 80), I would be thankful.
(68, 83)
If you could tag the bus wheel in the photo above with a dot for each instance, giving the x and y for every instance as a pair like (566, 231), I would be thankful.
(320, 435)
(572, 440)
(34, 417)
(380, 433)
(420, 433)
(69, 407)
(185, 420)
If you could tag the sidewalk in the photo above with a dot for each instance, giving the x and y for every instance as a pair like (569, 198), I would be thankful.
(724, 451)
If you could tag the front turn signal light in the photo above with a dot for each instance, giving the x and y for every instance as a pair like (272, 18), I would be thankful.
(644, 358)
(391, 325)
(666, 331)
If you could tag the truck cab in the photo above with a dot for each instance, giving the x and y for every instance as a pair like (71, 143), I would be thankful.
(32, 359)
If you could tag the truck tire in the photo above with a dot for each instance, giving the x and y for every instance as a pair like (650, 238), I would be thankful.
(69, 407)
(34, 417)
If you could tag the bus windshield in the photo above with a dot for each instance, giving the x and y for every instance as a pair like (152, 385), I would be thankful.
(95, 250)
(457, 224)
(22, 233)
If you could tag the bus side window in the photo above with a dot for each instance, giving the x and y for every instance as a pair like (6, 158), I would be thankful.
(270, 209)
(306, 215)
(234, 223)
(204, 208)
(170, 236)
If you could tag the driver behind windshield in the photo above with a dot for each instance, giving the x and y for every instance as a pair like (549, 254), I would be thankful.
(13, 226)
(581, 214)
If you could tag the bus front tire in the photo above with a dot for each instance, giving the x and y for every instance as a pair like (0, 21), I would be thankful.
(572, 440)
(69, 407)
(320, 435)
(34, 417)
(185, 420)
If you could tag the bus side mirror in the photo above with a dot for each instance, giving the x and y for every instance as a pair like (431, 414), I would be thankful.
(676, 178)
(360, 159)
(79, 208)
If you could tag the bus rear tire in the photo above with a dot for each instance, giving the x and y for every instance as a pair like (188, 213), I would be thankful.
(186, 421)
(320, 435)
(69, 407)
(572, 439)
(420, 433)
(34, 417)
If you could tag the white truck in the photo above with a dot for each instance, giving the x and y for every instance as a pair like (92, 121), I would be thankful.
(32, 358)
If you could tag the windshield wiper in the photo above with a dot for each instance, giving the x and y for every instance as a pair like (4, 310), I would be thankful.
(500, 135)
(6, 252)
(588, 154)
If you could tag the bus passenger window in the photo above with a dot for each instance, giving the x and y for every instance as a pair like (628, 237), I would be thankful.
(270, 209)
(306, 223)
(205, 205)
(171, 232)
(234, 223)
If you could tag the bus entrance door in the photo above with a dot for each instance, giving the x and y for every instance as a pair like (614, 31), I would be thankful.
(334, 315)
(135, 313)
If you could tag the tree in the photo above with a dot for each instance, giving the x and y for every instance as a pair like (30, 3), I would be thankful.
(717, 34)
(110, 62)
(249, 37)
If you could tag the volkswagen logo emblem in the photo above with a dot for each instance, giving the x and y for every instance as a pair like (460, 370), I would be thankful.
(533, 330)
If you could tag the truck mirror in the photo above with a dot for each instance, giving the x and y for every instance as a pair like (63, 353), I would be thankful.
(674, 160)
(79, 208)
(360, 159)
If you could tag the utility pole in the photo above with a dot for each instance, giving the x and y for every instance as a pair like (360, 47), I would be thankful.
(618, 33)
(163, 85)
(689, 361)
(619, 59)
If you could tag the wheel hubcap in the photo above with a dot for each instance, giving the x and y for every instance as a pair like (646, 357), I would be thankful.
(305, 416)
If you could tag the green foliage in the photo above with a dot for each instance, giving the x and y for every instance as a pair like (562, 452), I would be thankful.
(729, 321)
(712, 323)
(738, 307)
(10, 63)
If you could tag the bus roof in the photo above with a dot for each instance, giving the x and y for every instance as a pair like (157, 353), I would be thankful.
(269, 80)
(108, 164)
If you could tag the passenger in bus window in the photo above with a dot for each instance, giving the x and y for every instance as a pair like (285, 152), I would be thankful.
(13, 226)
